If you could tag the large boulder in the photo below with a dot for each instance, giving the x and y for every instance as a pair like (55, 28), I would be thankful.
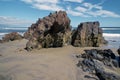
(88, 34)
(52, 31)
(11, 37)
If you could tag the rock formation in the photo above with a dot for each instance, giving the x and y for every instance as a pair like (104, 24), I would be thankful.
(52, 31)
(11, 37)
(99, 63)
(88, 34)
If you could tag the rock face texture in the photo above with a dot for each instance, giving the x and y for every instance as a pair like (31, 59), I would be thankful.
(88, 34)
(52, 31)
(11, 37)
(99, 63)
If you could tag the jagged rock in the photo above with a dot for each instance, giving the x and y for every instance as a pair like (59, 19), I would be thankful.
(88, 34)
(108, 53)
(11, 37)
(93, 54)
(52, 31)
(97, 62)
(102, 75)
(99, 54)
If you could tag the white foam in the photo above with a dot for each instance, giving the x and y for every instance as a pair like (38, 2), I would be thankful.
(21, 33)
(16, 28)
(111, 28)
(1, 34)
(111, 35)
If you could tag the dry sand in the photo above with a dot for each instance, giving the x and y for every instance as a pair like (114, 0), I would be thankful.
(45, 64)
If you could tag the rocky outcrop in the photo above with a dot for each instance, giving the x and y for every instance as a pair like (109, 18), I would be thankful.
(11, 37)
(52, 31)
(88, 34)
(100, 63)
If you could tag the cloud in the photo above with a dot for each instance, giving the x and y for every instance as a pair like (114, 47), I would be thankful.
(85, 9)
(77, 1)
(81, 9)
(41, 1)
(75, 13)
(95, 10)
(51, 5)
(91, 6)
(48, 7)
(13, 21)
(105, 13)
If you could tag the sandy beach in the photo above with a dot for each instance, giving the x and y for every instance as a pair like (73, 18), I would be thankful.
(45, 64)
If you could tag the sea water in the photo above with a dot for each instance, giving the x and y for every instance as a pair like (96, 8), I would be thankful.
(111, 34)
(6, 30)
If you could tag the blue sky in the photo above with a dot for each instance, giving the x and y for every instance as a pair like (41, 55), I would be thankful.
(26, 12)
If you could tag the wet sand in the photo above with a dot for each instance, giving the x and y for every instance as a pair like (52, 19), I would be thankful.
(45, 64)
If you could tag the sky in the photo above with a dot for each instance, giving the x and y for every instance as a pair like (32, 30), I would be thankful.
(26, 12)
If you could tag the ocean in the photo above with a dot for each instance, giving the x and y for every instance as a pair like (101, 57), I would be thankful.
(111, 34)
(5, 30)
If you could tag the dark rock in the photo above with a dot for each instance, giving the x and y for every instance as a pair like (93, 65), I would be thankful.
(88, 63)
(78, 56)
(115, 63)
(118, 51)
(102, 75)
(11, 37)
(89, 77)
(93, 54)
(107, 53)
(96, 61)
(88, 34)
(53, 30)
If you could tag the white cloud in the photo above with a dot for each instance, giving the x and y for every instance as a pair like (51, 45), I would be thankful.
(78, 1)
(48, 7)
(81, 9)
(41, 1)
(13, 21)
(51, 5)
(91, 6)
(75, 13)
(84, 9)
(105, 13)
(95, 10)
